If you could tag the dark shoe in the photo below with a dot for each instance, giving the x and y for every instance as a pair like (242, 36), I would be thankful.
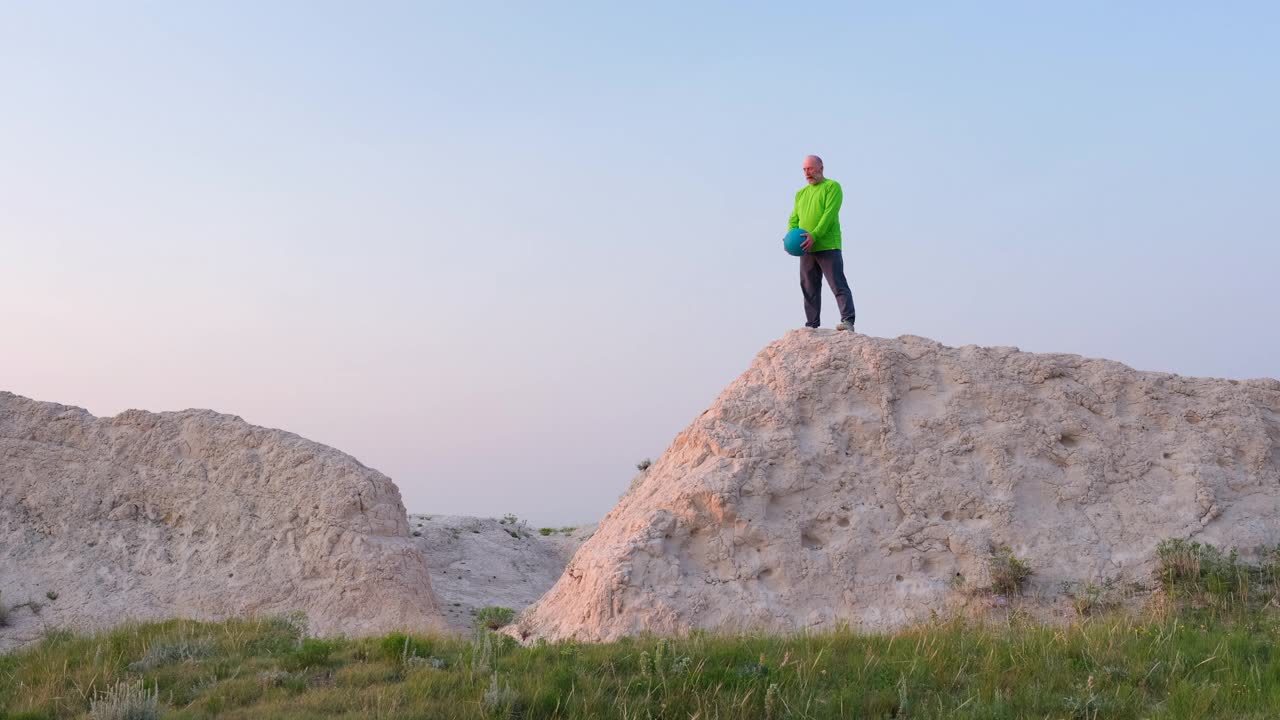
(846, 325)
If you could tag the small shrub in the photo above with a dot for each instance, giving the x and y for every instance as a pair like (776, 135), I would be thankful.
(51, 595)
(753, 670)
(126, 701)
(273, 678)
(1205, 575)
(500, 700)
(1181, 563)
(295, 683)
(644, 464)
(493, 617)
(663, 661)
(509, 519)
(486, 648)
(434, 663)
(1092, 599)
(166, 652)
(293, 623)
(772, 703)
(483, 654)
(546, 531)
(1008, 573)
(277, 635)
(662, 654)
(399, 647)
(312, 653)
(1087, 702)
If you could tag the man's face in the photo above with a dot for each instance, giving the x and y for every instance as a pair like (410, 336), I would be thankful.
(812, 171)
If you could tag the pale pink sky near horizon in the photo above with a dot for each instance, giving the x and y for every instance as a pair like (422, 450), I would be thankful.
(502, 252)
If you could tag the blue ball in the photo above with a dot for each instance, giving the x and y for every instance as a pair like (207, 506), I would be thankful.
(792, 241)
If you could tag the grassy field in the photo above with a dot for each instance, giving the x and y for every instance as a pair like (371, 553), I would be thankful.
(1207, 649)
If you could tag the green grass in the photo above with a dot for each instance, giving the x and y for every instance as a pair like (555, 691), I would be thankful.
(492, 617)
(1208, 577)
(1192, 654)
(1112, 667)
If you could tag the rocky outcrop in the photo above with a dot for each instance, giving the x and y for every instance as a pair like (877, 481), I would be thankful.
(195, 514)
(861, 480)
(482, 562)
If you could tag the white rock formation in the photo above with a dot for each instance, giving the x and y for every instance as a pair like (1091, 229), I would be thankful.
(195, 514)
(846, 478)
(482, 562)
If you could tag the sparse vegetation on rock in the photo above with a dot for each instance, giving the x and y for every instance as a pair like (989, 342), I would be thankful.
(493, 617)
(1008, 573)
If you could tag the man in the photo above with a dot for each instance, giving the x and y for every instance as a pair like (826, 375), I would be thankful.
(818, 210)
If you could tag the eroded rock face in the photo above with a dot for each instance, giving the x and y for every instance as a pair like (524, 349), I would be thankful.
(846, 478)
(482, 562)
(195, 514)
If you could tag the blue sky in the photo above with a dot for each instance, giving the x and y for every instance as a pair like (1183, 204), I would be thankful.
(502, 252)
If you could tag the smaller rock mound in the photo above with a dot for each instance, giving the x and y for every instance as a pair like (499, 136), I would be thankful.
(195, 514)
(484, 562)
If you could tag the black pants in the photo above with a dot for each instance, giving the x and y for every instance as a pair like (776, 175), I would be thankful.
(813, 266)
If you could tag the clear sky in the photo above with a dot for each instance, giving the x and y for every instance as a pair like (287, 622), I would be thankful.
(502, 252)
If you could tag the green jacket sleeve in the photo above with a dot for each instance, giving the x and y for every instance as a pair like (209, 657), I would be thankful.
(794, 221)
(830, 212)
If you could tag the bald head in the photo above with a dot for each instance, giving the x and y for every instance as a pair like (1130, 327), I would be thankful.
(812, 169)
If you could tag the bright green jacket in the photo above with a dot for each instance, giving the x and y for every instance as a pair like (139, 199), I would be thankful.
(818, 211)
